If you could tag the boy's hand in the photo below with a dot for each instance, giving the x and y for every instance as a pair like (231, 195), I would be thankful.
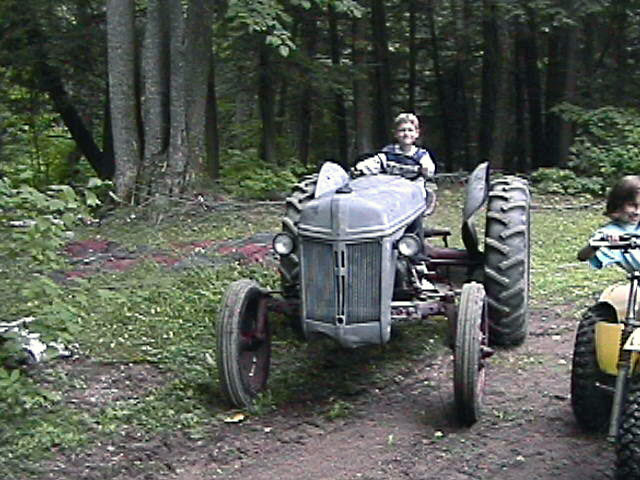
(368, 166)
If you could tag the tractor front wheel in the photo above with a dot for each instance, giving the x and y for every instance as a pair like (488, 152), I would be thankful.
(470, 353)
(243, 343)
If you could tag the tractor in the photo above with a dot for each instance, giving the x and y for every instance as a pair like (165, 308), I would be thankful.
(357, 254)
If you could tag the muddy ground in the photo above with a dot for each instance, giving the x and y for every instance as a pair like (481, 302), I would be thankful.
(404, 428)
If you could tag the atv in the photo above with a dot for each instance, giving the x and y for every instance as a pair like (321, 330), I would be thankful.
(354, 260)
(605, 375)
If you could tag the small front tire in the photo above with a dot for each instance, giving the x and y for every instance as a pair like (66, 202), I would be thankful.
(469, 353)
(243, 352)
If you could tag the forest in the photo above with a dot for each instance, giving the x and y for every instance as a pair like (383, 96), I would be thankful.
(166, 98)
(146, 148)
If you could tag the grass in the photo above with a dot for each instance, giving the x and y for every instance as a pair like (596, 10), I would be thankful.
(145, 338)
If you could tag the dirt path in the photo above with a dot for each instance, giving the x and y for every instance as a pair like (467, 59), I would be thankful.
(407, 431)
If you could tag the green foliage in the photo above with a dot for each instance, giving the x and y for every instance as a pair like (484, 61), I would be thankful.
(607, 142)
(246, 176)
(40, 221)
(564, 181)
(37, 149)
(267, 17)
(35, 226)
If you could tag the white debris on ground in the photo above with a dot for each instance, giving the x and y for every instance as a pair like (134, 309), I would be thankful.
(30, 342)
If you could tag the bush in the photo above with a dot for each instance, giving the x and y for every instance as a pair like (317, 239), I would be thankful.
(607, 141)
(564, 181)
(247, 176)
(35, 225)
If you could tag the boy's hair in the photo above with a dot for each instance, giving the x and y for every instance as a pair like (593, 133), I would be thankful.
(406, 118)
(624, 190)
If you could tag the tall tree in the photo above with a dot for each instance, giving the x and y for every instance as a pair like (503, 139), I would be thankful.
(340, 111)
(164, 107)
(266, 101)
(528, 61)
(442, 91)
(413, 55)
(492, 107)
(361, 90)
(307, 92)
(561, 85)
(121, 43)
(383, 86)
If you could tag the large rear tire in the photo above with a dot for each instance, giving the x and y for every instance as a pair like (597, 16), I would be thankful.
(507, 260)
(469, 365)
(243, 343)
(628, 444)
(590, 402)
(290, 265)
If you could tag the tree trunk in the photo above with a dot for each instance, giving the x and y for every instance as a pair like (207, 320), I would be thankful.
(361, 92)
(443, 101)
(340, 111)
(102, 163)
(413, 56)
(198, 58)
(122, 92)
(155, 99)
(460, 101)
(211, 123)
(266, 93)
(489, 145)
(309, 33)
(561, 84)
(521, 143)
(382, 105)
(620, 39)
(530, 60)
(178, 138)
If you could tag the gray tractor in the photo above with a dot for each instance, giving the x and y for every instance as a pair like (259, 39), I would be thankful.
(353, 263)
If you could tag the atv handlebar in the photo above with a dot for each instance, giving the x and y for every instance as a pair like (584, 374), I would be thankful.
(627, 241)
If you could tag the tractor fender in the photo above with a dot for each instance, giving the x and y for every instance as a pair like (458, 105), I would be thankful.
(476, 195)
(477, 190)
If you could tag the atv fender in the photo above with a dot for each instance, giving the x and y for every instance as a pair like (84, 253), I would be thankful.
(607, 339)
(476, 196)
(617, 296)
(608, 335)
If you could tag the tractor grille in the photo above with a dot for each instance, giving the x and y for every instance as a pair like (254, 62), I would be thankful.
(341, 281)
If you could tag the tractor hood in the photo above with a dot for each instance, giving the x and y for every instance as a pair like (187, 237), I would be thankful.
(369, 206)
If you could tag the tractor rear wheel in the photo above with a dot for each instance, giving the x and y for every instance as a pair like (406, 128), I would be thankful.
(243, 343)
(507, 260)
(468, 355)
(290, 265)
(590, 402)
(628, 442)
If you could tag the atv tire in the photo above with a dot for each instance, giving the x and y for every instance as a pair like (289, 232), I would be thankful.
(628, 441)
(290, 265)
(591, 403)
(507, 260)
